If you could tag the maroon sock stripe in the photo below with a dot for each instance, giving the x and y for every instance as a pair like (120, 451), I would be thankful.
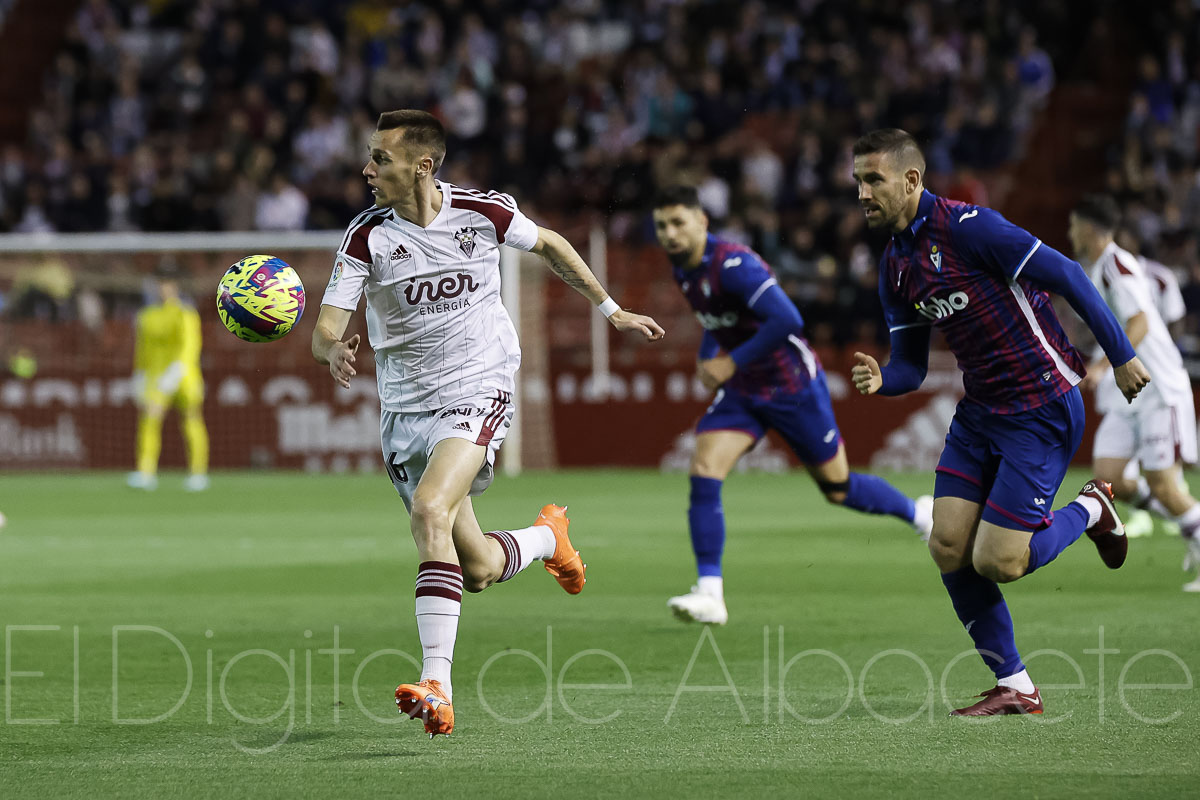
(512, 553)
(443, 565)
(440, 579)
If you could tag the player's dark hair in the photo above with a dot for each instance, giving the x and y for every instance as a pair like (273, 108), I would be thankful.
(423, 132)
(677, 195)
(895, 142)
(1100, 210)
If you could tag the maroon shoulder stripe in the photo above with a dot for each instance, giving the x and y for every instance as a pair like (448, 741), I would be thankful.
(497, 214)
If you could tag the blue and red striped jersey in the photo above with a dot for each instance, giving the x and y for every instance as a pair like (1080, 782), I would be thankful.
(958, 266)
(722, 291)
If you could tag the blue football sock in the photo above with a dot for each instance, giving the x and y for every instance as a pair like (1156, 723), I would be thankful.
(1069, 522)
(981, 609)
(706, 521)
(874, 495)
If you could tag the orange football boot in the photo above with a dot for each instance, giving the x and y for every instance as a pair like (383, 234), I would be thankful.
(565, 565)
(428, 701)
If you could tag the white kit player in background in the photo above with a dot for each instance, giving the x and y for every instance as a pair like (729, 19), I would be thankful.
(427, 257)
(1158, 428)
(1168, 299)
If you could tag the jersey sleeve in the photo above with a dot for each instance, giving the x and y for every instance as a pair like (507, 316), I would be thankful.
(522, 232)
(351, 268)
(1170, 298)
(745, 275)
(1127, 292)
(992, 241)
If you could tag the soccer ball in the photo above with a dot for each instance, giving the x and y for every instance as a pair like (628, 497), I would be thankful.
(260, 298)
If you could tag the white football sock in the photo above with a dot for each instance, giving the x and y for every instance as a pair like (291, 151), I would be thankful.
(524, 546)
(438, 604)
(1092, 506)
(1020, 682)
(712, 585)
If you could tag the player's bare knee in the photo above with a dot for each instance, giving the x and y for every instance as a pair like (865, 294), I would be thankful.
(430, 517)
(703, 468)
(999, 570)
(947, 550)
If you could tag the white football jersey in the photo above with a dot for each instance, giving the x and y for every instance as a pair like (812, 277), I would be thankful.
(1124, 286)
(434, 316)
(1164, 289)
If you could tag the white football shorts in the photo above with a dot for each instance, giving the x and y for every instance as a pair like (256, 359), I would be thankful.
(1156, 435)
(408, 439)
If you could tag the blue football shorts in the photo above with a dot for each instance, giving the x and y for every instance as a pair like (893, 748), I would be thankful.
(804, 419)
(1012, 464)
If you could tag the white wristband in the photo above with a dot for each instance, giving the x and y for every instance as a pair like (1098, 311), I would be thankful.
(609, 307)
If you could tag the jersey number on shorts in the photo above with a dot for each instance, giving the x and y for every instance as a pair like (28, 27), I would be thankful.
(396, 469)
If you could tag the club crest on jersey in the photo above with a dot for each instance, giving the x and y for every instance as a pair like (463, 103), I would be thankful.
(935, 256)
(466, 240)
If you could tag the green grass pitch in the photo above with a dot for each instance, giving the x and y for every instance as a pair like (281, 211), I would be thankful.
(180, 652)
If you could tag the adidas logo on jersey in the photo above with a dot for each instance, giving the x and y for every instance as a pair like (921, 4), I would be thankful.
(462, 426)
(400, 253)
(936, 308)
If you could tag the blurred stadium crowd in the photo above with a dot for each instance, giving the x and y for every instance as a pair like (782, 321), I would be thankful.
(232, 114)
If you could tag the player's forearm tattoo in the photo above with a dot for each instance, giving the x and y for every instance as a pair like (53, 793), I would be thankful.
(568, 273)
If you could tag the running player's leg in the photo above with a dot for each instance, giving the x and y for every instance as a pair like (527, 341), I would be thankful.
(870, 494)
(496, 556)
(440, 492)
(807, 423)
(725, 432)
(965, 474)
(1167, 438)
(1018, 533)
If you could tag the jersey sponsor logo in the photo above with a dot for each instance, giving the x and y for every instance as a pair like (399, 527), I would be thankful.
(935, 308)
(466, 240)
(445, 288)
(968, 215)
(829, 436)
(400, 253)
(1039, 501)
(705, 289)
(936, 257)
(712, 322)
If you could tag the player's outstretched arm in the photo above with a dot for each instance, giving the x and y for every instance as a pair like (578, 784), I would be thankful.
(905, 370)
(567, 264)
(1054, 271)
(328, 347)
